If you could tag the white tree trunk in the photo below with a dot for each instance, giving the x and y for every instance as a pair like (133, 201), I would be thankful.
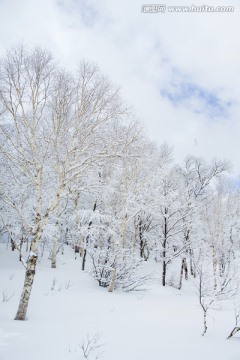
(114, 277)
(214, 264)
(27, 287)
(54, 254)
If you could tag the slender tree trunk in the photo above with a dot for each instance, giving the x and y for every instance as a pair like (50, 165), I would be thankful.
(114, 277)
(233, 332)
(164, 272)
(185, 270)
(13, 245)
(135, 238)
(54, 254)
(20, 248)
(77, 243)
(214, 263)
(27, 244)
(141, 239)
(164, 266)
(181, 277)
(192, 270)
(43, 247)
(123, 237)
(27, 288)
(204, 322)
(20, 252)
(84, 259)
(87, 238)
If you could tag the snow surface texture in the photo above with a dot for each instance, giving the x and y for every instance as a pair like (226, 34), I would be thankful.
(67, 305)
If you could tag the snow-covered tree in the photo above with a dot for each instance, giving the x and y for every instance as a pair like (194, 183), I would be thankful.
(53, 126)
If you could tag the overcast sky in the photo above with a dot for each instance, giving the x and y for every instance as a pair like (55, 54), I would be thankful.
(180, 71)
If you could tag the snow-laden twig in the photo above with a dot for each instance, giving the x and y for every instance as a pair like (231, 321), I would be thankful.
(90, 347)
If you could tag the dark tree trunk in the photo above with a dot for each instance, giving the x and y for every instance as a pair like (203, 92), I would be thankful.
(185, 270)
(233, 332)
(85, 250)
(192, 268)
(84, 259)
(141, 239)
(164, 272)
(165, 233)
(13, 245)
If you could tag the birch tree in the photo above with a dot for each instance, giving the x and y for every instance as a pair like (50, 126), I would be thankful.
(52, 124)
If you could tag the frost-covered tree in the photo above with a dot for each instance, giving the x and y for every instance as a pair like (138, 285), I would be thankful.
(198, 181)
(53, 125)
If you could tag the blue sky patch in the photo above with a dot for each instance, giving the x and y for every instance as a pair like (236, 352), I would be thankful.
(200, 100)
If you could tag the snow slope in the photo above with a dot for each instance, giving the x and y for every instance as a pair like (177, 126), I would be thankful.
(162, 323)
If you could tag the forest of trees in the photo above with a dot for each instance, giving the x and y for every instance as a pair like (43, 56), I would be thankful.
(77, 170)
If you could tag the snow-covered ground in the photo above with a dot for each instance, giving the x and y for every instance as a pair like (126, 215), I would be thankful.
(67, 305)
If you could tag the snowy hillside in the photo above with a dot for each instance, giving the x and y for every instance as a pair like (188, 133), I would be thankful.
(67, 305)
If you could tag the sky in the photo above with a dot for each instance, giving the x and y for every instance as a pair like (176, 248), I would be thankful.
(179, 70)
